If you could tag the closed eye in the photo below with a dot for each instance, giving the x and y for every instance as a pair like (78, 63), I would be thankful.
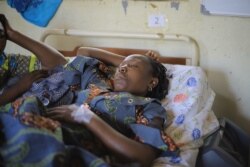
(132, 66)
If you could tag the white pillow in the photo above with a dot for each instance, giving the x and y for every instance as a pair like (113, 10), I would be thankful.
(188, 105)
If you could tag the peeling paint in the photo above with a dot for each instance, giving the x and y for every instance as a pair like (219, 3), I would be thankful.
(125, 5)
(175, 4)
(204, 10)
(153, 5)
(161, 35)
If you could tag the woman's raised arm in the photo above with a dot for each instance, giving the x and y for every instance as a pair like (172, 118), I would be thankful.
(102, 55)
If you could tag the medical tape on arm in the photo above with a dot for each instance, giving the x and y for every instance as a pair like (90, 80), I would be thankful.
(82, 114)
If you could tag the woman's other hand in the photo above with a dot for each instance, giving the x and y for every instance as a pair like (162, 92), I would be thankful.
(24, 84)
(155, 56)
(7, 27)
(28, 79)
(71, 113)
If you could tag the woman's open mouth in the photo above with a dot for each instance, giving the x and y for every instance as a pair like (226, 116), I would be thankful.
(120, 82)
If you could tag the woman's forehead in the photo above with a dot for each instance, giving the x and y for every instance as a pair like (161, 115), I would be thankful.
(135, 58)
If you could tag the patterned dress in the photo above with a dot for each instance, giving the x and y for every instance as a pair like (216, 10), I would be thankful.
(31, 139)
(13, 66)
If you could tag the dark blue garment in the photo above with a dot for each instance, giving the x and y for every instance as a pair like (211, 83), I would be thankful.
(51, 89)
(85, 71)
(55, 89)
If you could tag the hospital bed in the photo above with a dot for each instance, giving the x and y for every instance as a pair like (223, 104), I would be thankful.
(188, 104)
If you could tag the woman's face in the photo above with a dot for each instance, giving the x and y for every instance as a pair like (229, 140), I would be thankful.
(133, 75)
(2, 39)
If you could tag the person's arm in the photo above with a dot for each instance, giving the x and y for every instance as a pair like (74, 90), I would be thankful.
(102, 55)
(119, 144)
(48, 56)
(11, 93)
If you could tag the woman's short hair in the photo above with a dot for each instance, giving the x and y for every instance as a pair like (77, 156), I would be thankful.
(159, 71)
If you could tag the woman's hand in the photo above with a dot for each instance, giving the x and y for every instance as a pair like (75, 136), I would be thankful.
(8, 29)
(28, 79)
(155, 56)
(71, 113)
(21, 86)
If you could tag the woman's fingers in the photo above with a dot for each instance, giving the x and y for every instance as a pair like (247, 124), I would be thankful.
(38, 74)
(60, 113)
(2, 19)
(152, 55)
(54, 114)
(6, 25)
(71, 113)
(55, 110)
(2, 27)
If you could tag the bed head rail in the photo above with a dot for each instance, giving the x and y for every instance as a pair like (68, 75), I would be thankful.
(194, 60)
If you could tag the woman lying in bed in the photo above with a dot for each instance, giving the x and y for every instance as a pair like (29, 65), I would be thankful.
(119, 117)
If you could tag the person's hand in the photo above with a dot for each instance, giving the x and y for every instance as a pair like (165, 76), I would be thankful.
(28, 79)
(71, 113)
(3, 35)
(153, 55)
(2, 31)
(7, 28)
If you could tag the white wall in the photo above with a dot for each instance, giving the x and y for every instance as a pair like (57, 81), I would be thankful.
(224, 41)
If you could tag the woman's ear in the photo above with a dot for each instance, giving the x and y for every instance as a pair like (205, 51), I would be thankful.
(154, 82)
